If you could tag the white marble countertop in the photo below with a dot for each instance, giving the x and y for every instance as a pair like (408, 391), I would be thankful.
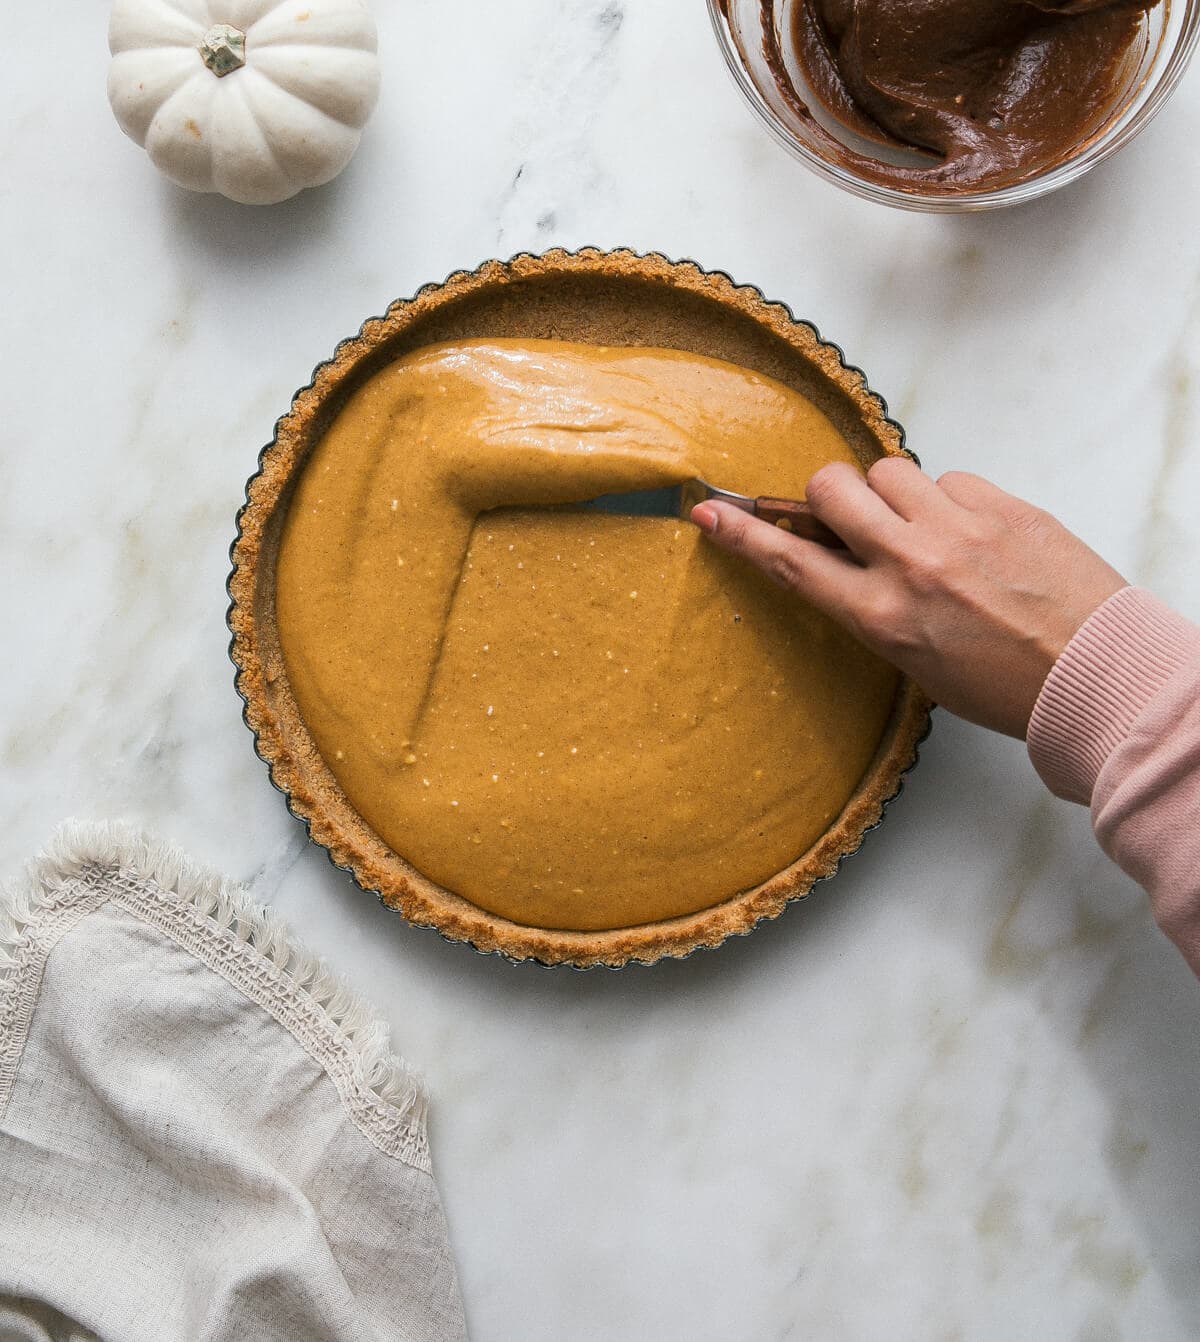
(953, 1096)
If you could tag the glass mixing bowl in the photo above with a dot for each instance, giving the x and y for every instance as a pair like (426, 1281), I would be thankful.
(1155, 65)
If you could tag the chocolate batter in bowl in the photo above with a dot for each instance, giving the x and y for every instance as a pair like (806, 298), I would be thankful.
(956, 105)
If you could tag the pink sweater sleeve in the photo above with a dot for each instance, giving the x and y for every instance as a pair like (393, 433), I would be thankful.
(1117, 726)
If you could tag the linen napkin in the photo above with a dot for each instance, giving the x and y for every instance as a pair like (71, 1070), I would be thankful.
(203, 1135)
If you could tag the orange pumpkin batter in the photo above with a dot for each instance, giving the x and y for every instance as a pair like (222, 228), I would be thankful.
(572, 719)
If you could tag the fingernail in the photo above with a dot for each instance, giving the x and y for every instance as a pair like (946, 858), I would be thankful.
(705, 518)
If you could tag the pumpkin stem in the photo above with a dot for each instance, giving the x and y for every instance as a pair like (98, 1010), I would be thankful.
(223, 49)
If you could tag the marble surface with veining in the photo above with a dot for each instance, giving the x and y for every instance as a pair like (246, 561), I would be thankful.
(956, 1094)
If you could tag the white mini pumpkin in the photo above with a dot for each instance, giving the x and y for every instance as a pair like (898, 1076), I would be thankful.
(256, 99)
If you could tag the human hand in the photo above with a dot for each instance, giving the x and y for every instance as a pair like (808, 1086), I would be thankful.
(968, 590)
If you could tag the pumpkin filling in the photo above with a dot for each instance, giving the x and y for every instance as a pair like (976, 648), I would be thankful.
(572, 719)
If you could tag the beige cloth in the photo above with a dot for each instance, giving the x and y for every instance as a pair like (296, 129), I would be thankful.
(203, 1136)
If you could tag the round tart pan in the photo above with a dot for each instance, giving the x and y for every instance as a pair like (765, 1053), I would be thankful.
(605, 298)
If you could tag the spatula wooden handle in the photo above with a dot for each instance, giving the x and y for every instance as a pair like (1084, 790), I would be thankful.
(795, 517)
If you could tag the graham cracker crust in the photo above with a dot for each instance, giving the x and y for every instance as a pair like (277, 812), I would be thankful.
(598, 297)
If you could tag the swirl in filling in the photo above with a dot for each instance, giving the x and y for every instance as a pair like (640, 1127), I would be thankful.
(573, 719)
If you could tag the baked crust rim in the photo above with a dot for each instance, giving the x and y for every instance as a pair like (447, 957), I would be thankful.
(283, 743)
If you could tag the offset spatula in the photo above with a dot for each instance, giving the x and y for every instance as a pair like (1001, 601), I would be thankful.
(679, 500)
